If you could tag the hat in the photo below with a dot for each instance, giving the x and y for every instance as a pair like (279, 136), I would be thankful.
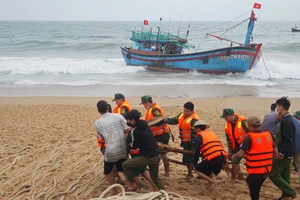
(118, 96)
(145, 99)
(254, 120)
(297, 114)
(133, 114)
(199, 123)
(227, 112)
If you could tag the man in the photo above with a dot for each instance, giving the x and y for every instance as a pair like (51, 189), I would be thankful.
(235, 130)
(186, 121)
(270, 120)
(286, 144)
(110, 128)
(123, 106)
(146, 150)
(297, 155)
(209, 147)
(161, 130)
(259, 149)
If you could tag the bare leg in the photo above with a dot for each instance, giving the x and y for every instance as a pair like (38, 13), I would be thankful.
(138, 182)
(189, 175)
(210, 184)
(166, 164)
(147, 176)
(111, 180)
(116, 174)
(234, 171)
(240, 175)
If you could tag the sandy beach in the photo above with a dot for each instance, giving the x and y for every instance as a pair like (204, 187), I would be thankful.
(48, 147)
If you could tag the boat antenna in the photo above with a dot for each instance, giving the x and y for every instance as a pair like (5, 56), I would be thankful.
(188, 31)
(171, 1)
(179, 25)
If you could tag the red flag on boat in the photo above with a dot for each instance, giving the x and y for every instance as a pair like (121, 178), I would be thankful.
(257, 5)
(145, 22)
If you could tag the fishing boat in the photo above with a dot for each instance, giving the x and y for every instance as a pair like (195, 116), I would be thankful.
(165, 52)
(296, 29)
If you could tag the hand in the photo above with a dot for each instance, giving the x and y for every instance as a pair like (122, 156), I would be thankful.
(279, 157)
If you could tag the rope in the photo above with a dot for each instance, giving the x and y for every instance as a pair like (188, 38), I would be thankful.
(262, 57)
(140, 196)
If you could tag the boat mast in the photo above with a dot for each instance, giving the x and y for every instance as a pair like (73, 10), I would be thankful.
(250, 28)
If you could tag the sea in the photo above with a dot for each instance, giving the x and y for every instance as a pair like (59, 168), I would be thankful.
(78, 55)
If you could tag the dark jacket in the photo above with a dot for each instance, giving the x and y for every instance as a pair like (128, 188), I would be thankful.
(286, 139)
(144, 140)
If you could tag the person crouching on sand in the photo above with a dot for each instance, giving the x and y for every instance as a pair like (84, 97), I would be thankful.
(209, 147)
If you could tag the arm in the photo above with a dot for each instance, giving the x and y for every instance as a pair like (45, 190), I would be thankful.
(156, 113)
(198, 143)
(239, 154)
(172, 121)
(193, 130)
(123, 122)
(287, 135)
(229, 147)
(246, 145)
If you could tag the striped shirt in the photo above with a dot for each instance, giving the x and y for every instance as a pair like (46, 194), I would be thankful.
(111, 127)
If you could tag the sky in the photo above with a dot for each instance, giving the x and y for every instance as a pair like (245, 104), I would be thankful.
(136, 10)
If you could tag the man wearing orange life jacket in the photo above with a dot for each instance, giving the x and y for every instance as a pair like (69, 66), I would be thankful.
(235, 130)
(209, 147)
(259, 149)
(123, 106)
(161, 131)
(186, 121)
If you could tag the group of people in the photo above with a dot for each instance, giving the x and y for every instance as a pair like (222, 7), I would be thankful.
(267, 146)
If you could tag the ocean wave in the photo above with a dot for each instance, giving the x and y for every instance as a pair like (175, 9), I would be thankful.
(59, 45)
(46, 65)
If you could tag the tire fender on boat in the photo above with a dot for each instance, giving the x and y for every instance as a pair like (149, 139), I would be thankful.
(128, 56)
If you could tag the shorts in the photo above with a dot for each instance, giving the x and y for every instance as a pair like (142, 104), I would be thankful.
(164, 138)
(236, 161)
(212, 166)
(108, 166)
(190, 147)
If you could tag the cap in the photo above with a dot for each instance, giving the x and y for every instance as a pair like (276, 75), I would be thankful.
(133, 114)
(254, 120)
(200, 122)
(118, 96)
(145, 99)
(297, 114)
(227, 112)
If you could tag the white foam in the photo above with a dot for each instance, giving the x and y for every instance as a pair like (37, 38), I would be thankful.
(48, 65)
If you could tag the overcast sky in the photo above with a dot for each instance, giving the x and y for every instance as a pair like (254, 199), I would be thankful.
(136, 10)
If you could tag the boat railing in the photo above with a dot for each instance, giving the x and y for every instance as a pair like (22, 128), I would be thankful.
(136, 35)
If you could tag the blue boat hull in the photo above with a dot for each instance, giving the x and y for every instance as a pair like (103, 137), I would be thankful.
(219, 61)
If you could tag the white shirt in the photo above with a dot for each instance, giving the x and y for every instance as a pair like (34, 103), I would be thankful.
(111, 127)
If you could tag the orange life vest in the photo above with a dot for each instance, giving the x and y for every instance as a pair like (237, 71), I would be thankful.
(211, 145)
(185, 128)
(260, 157)
(118, 109)
(156, 130)
(239, 132)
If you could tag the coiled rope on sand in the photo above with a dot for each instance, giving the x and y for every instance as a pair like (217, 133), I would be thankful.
(159, 195)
